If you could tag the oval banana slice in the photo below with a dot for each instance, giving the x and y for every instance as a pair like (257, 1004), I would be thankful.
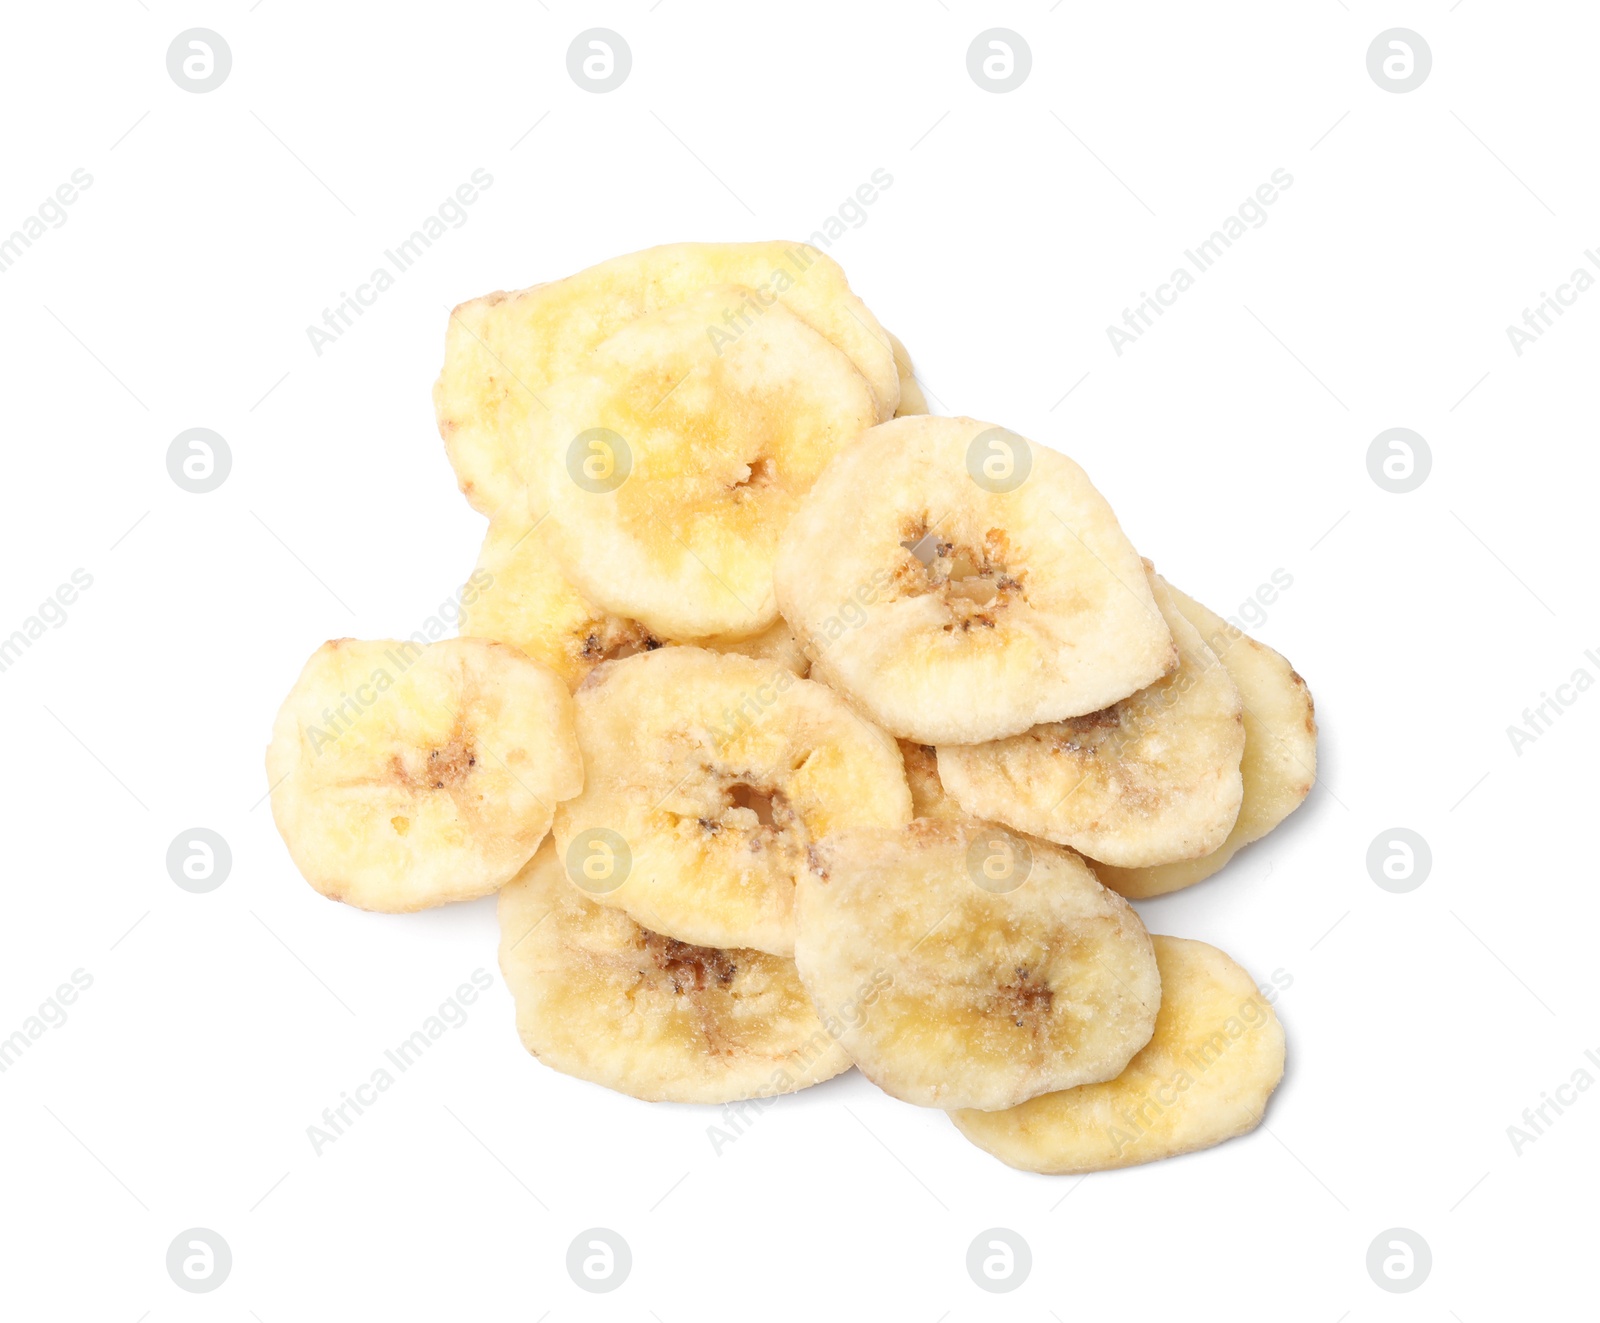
(1006, 970)
(503, 349)
(912, 400)
(405, 775)
(1280, 753)
(707, 778)
(960, 584)
(1205, 1076)
(1148, 780)
(670, 464)
(518, 594)
(603, 999)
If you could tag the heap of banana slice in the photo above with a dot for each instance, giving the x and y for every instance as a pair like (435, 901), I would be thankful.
(799, 729)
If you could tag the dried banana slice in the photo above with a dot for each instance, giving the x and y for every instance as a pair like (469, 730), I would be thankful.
(960, 584)
(1280, 753)
(707, 778)
(1151, 779)
(670, 464)
(1205, 1076)
(603, 999)
(912, 400)
(503, 349)
(405, 776)
(518, 595)
(1006, 970)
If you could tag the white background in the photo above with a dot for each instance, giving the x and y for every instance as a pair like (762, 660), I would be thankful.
(1231, 439)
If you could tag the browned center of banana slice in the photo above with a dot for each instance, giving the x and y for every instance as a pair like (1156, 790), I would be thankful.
(1205, 1076)
(1006, 969)
(1152, 779)
(961, 584)
(670, 464)
(605, 1000)
(707, 778)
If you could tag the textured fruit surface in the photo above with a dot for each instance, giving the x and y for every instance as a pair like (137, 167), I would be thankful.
(1205, 1076)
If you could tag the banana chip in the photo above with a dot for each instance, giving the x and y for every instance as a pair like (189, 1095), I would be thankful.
(519, 595)
(670, 464)
(1149, 780)
(707, 778)
(406, 776)
(912, 400)
(1205, 1076)
(960, 584)
(605, 1000)
(503, 349)
(1007, 970)
(1280, 753)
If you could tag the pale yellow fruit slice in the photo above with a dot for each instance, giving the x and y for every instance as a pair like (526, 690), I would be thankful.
(518, 594)
(912, 400)
(1280, 753)
(407, 775)
(1205, 1076)
(503, 349)
(960, 584)
(603, 999)
(1004, 969)
(670, 464)
(1151, 779)
(708, 776)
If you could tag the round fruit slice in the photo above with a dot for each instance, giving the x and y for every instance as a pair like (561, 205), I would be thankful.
(406, 775)
(1150, 779)
(708, 777)
(518, 595)
(670, 464)
(1004, 969)
(603, 999)
(1205, 1076)
(503, 349)
(912, 400)
(961, 584)
(1280, 753)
